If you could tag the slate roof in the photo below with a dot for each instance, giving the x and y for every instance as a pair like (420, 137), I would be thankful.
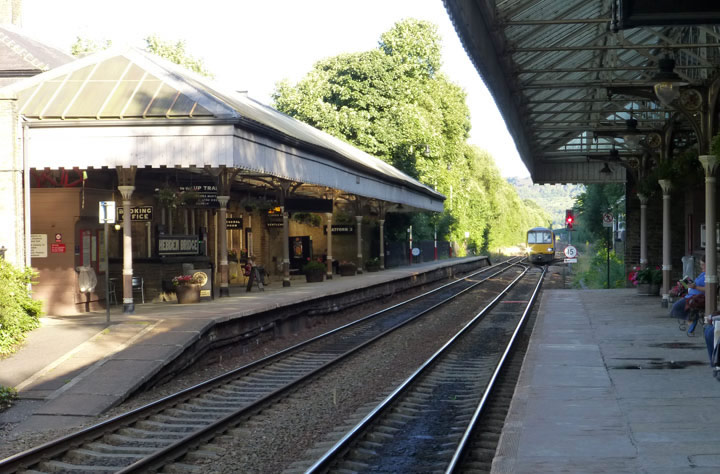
(22, 56)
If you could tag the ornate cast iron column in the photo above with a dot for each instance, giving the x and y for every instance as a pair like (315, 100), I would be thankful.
(286, 249)
(381, 227)
(358, 232)
(127, 271)
(643, 230)
(328, 215)
(222, 244)
(710, 163)
(666, 186)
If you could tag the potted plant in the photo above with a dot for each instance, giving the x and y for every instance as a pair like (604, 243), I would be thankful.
(187, 289)
(167, 197)
(314, 271)
(347, 268)
(188, 197)
(372, 264)
(647, 280)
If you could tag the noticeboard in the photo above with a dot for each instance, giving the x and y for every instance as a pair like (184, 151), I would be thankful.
(38, 246)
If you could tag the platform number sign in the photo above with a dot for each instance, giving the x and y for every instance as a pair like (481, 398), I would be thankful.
(607, 219)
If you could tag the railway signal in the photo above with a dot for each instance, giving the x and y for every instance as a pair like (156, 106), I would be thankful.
(569, 219)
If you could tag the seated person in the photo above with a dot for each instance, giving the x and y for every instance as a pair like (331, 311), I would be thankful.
(694, 288)
(248, 266)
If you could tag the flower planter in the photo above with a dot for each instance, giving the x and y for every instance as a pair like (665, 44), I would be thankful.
(188, 293)
(372, 268)
(346, 270)
(648, 289)
(314, 277)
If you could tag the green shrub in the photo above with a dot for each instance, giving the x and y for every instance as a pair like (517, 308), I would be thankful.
(312, 267)
(7, 396)
(19, 313)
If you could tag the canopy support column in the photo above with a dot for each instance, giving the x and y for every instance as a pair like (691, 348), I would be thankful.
(358, 232)
(666, 186)
(222, 245)
(127, 271)
(286, 247)
(643, 230)
(381, 229)
(710, 163)
(328, 275)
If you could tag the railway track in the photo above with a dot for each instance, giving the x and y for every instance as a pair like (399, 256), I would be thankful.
(429, 422)
(156, 434)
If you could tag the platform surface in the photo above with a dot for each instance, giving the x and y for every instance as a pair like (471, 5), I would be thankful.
(611, 385)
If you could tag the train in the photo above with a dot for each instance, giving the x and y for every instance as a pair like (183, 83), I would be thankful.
(540, 245)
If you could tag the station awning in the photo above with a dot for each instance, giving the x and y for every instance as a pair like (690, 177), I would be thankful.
(121, 108)
(568, 75)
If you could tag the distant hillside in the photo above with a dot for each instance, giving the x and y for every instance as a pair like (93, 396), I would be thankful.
(555, 199)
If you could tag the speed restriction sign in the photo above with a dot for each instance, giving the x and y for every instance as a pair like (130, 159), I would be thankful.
(570, 251)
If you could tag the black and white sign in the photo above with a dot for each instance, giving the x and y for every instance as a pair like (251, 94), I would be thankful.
(570, 251)
(137, 213)
(178, 245)
(234, 223)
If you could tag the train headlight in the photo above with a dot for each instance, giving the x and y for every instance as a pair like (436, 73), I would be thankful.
(550, 249)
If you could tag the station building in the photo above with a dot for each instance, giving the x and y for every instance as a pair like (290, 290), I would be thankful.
(208, 176)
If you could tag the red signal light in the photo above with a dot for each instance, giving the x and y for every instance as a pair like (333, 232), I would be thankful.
(569, 218)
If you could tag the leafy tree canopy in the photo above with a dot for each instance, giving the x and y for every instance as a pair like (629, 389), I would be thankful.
(394, 103)
(172, 51)
(177, 53)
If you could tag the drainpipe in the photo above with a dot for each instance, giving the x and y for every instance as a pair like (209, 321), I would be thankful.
(26, 190)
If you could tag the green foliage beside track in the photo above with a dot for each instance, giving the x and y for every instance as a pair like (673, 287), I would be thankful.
(395, 103)
(19, 313)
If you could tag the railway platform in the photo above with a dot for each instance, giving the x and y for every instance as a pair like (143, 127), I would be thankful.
(610, 384)
(75, 367)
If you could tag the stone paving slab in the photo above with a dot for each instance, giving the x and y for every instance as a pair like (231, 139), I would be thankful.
(639, 399)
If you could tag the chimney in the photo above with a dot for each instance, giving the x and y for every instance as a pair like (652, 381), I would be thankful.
(11, 12)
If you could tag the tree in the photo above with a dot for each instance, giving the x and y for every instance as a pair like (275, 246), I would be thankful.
(394, 103)
(596, 200)
(391, 102)
(175, 52)
(84, 46)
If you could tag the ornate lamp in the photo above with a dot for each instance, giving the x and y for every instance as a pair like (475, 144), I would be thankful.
(631, 135)
(667, 82)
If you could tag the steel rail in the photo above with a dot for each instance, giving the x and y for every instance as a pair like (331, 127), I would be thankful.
(178, 449)
(460, 450)
(63, 444)
(330, 455)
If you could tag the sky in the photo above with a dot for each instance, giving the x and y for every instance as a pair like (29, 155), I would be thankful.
(250, 45)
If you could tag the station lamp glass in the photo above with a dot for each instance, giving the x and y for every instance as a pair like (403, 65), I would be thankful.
(667, 82)
(631, 135)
